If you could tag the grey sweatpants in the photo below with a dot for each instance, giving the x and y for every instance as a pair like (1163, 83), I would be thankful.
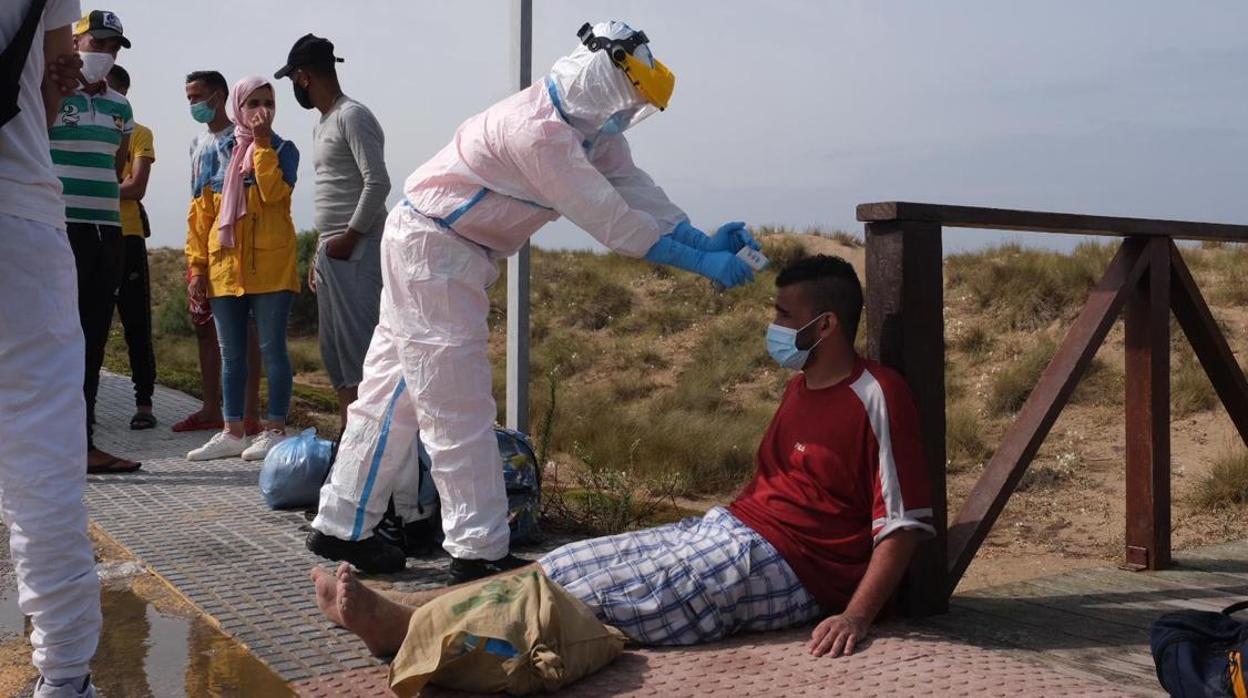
(348, 295)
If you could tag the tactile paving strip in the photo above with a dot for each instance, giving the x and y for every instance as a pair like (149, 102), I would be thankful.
(902, 662)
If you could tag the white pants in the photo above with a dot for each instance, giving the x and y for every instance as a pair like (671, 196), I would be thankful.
(43, 448)
(426, 372)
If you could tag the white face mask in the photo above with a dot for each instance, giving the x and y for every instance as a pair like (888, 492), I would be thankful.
(95, 65)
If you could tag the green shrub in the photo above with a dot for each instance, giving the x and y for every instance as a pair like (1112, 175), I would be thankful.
(662, 318)
(172, 317)
(578, 295)
(303, 311)
(710, 452)
(305, 354)
(565, 350)
(602, 500)
(729, 352)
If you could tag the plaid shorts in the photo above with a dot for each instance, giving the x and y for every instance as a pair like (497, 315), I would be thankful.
(694, 581)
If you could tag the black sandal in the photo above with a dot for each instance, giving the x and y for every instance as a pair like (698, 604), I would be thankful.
(142, 420)
(114, 467)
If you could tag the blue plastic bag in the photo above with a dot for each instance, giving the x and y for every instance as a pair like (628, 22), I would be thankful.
(293, 471)
(524, 484)
(521, 477)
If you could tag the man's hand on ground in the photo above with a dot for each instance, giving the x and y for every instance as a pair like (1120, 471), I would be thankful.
(837, 635)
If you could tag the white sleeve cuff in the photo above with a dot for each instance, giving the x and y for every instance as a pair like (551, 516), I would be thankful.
(908, 521)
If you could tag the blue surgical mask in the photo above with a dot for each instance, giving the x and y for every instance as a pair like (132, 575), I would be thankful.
(625, 119)
(616, 124)
(203, 112)
(782, 345)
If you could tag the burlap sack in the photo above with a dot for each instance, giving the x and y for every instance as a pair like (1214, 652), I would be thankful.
(519, 634)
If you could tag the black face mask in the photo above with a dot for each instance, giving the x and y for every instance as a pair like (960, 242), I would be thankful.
(302, 96)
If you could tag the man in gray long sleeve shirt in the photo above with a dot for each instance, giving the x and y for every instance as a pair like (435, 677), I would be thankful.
(351, 189)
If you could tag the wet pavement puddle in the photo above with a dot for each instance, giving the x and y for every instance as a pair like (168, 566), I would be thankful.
(161, 648)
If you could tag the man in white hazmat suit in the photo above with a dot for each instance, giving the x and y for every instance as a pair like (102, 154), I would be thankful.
(554, 149)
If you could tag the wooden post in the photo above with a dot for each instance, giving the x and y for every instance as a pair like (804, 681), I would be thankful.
(1147, 323)
(1023, 437)
(906, 331)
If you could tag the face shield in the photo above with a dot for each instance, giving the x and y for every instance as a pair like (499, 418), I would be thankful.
(630, 52)
(651, 78)
(625, 119)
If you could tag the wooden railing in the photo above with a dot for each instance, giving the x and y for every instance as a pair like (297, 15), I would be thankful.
(1146, 281)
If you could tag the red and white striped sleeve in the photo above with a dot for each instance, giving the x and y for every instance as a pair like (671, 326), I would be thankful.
(903, 496)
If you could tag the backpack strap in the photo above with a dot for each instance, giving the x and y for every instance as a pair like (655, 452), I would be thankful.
(1235, 608)
(13, 60)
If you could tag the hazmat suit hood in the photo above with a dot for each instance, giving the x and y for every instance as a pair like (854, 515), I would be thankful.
(592, 90)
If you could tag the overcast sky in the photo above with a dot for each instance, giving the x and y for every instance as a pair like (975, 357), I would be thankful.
(785, 112)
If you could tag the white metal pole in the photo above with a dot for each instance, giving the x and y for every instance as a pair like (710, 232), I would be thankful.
(518, 264)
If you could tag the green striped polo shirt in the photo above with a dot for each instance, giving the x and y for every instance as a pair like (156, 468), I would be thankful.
(85, 137)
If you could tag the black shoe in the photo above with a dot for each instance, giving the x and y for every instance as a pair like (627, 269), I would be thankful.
(371, 555)
(462, 571)
(416, 539)
(420, 538)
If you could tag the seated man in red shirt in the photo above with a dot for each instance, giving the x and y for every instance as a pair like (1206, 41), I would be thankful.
(827, 524)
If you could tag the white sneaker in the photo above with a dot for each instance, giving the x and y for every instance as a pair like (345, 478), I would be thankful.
(262, 442)
(223, 444)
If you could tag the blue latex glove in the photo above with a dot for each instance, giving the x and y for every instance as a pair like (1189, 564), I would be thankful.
(731, 237)
(724, 268)
(686, 234)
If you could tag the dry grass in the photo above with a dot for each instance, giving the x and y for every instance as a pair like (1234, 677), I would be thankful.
(1026, 289)
(1190, 389)
(1103, 384)
(1225, 485)
(1013, 383)
(964, 438)
(975, 341)
(1050, 474)
(1224, 272)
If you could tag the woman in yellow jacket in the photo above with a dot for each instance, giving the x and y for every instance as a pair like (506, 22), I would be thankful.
(240, 248)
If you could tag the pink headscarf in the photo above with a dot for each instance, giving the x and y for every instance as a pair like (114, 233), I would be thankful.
(233, 192)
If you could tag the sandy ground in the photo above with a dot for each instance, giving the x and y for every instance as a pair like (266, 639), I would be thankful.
(1074, 515)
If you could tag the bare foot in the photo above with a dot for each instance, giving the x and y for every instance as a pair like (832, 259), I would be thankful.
(326, 593)
(378, 621)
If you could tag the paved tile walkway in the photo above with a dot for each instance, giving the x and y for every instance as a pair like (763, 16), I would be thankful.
(205, 529)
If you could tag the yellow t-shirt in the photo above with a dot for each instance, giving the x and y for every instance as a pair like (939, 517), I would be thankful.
(141, 146)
